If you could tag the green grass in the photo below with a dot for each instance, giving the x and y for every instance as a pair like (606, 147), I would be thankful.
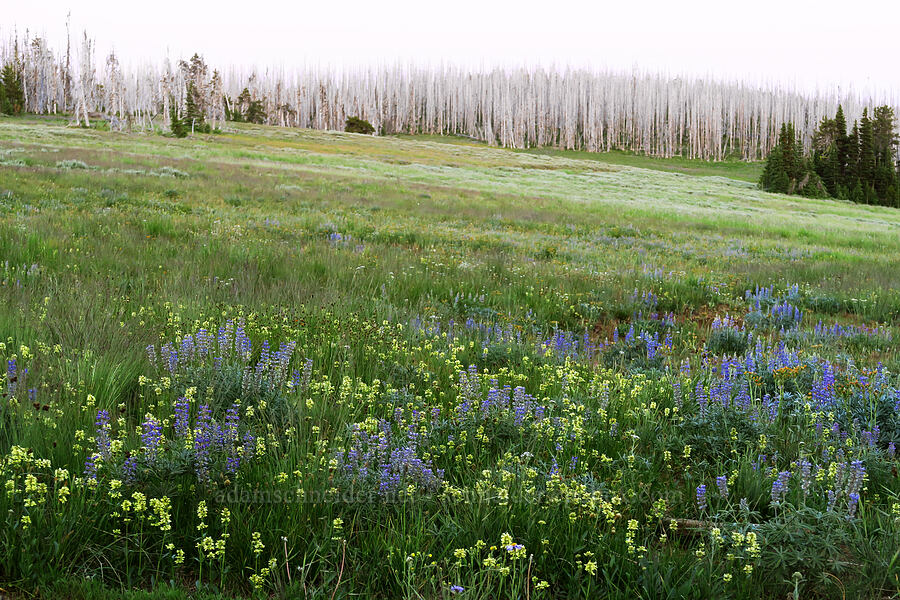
(749, 171)
(732, 168)
(395, 264)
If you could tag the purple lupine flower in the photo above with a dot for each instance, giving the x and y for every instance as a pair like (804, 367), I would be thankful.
(232, 421)
(102, 437)
(130, 469)
(249, 445)
(852, 503)
(701, 497)
(702, 398)
(151, 355)
(90, 466)
(11, 376)
(203, 342)
(151, 437)
(856, 476)
(780, 486)
(722, 484)
(203, 438)
(171, 356)
(182, 417)
(805, 476)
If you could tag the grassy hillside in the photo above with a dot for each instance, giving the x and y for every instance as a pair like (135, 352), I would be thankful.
(733, 169)
(308, 365)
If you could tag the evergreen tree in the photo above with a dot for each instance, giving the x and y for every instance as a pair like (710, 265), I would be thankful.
(13, 90)
(357, 125)
(232, 110)
(852, 171)
(831, 171)
(177, 125)
(866, 167)
(774, 177)
(842, 142)
(789, 158)
(255, 112)
(885, 144)
(856, 193)
(788, 171)
(884, 134)
(193, 114)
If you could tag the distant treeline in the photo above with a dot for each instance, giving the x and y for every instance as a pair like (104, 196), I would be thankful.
(652, 114)
(860, 165)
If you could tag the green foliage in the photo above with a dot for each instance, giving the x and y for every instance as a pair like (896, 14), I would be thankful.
(12, 96)
(245, 109)
(256, 113)
(861, 167)
(193, 119)
(176, 125)
(788, 171)
(357, 125)
(727, 341)
(392, 286)
(774, 176)
(232, 111)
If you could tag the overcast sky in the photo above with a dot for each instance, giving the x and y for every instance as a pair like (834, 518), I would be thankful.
(807, 43)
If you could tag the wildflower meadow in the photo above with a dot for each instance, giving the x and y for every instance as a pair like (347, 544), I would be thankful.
(278, 363)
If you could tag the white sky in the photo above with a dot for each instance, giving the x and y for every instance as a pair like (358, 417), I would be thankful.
(788, 41)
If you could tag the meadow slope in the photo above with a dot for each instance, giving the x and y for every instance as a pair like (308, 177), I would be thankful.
(305, 364)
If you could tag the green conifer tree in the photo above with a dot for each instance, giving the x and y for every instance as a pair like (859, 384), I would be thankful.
(852, 172)
(255, 112)
(866, 151)
(193, 116)
(13, 90)
(843, 146)
(774, 177)
(176, 124)
(885, 144)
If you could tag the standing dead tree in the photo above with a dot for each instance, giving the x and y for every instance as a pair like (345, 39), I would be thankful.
(581, 109)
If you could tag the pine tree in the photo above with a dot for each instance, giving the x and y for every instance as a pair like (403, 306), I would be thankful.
(774, 177)
(884, 133)
(193, 115)
(851, 176)
(13, 90)
(256, 113)
(177, 125)
(831, 171)
(357, 125)
(843, 146)
(885, 144)
(866, 151)
(856, 193)
(788, 156)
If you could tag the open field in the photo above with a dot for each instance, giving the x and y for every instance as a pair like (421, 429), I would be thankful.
(296, 364)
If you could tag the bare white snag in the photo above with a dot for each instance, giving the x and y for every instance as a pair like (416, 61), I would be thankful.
(518, 108)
